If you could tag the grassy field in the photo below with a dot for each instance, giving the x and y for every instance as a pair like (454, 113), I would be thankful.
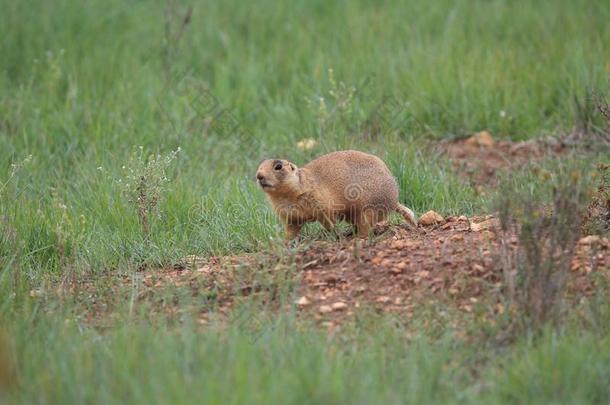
(189, 96)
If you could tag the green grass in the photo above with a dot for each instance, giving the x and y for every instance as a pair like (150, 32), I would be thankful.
(283, 361)
(83, 85)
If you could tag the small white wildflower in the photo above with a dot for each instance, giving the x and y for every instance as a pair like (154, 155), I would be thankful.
(100, 168)
(502, 114)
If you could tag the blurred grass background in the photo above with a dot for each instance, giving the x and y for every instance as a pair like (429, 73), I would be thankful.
(85, 84)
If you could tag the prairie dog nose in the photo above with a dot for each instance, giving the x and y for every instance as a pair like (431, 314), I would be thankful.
(259, 176)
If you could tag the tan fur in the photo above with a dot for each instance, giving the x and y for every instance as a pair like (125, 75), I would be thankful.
(349, 185)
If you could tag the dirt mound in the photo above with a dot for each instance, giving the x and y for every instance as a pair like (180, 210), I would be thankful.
(479, 157)
(455, 262)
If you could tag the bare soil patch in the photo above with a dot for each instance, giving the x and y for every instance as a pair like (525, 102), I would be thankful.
(455, 263)
(480, 158)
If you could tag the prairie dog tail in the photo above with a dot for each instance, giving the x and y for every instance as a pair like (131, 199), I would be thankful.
(407, 214)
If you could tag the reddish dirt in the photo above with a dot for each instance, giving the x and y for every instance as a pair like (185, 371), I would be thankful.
(457, 263)
(450, 263)
(481, 160)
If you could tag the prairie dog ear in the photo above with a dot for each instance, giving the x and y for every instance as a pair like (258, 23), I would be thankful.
(293, 167)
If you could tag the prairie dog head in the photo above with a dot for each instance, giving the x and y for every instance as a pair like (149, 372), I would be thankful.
(277, 176)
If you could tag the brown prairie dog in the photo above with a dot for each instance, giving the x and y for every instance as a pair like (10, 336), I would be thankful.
(349, 185)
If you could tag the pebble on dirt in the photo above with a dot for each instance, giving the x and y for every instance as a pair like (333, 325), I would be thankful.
(482, 139)
(431, 218)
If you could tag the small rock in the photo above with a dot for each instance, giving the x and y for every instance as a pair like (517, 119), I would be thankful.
(303, 301)
(575, 266)
(398, 244)
(457, 237)
(325, 309)
(462, 218)
(482, 139)
(589, 240)
(431, 218)
(339, 306)
(383, 300)
(487, 224)
(399, 268)
(488, 235)
(423, 273)
(525, 147)
(477, 268)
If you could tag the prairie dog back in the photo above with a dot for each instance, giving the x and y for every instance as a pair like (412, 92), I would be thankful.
(353, 177)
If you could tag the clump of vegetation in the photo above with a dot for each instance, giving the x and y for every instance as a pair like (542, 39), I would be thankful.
(15, 169)
(547, 234)
(333, 106)
(597, 218)
(8, 237)
(604, 109)
(145, 182)
(69, 234)
(10, 244)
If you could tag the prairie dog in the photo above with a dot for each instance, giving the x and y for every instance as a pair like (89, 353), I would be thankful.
(349, 185)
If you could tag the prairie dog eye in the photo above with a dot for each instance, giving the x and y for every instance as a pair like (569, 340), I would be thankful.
(278, 166)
